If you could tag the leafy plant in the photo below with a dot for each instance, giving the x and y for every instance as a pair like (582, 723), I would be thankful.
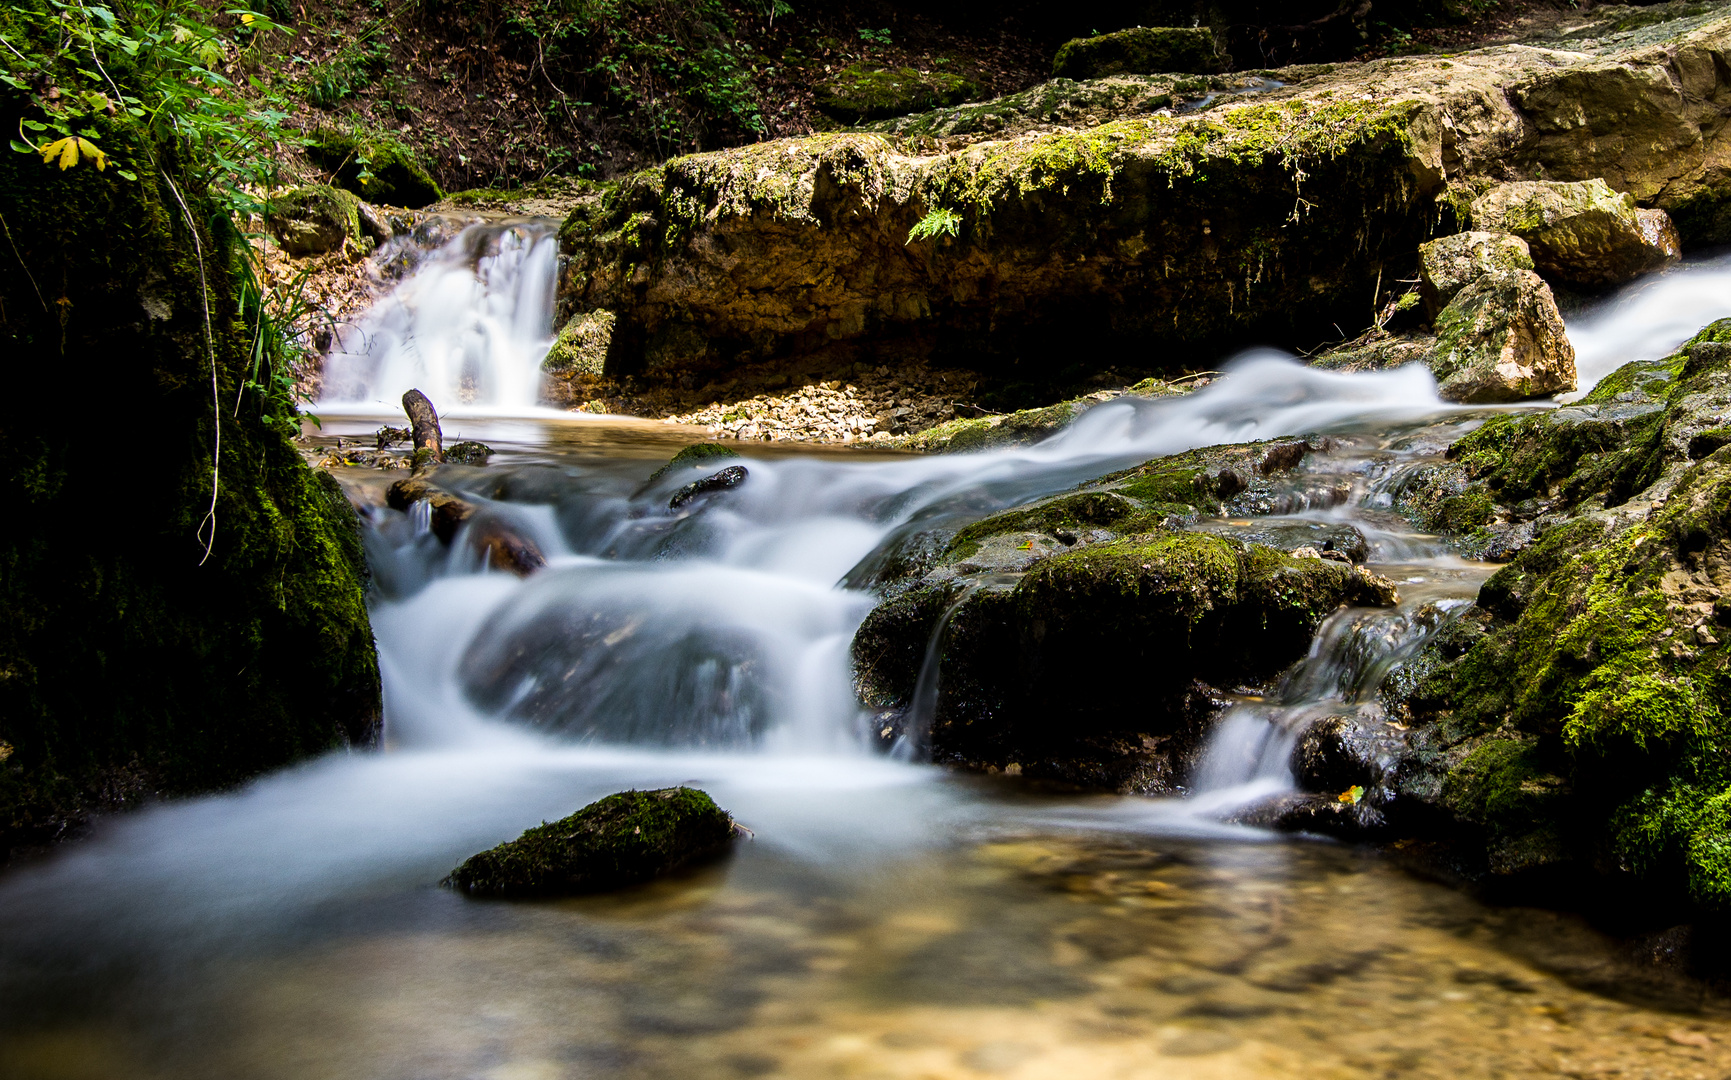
(876, 37)
(159, 63)
(939, 222)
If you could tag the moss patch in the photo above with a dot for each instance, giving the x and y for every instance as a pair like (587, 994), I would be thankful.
(866, 92)
(378, 167)
(1141, 50)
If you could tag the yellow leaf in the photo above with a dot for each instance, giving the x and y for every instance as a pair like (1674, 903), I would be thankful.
(1352, 794)
(90, 151)
(247, 18)
(68, 155)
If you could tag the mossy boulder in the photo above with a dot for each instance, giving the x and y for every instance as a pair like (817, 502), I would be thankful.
(1097, 666)
(1450, 264)
(621, 840)
(138, 661)
(1572, 723)
(1127, 213)
(1581, 233)
(1142, 50)
(378, 167)
(315, 219)
(1501, 338)
(868, 92)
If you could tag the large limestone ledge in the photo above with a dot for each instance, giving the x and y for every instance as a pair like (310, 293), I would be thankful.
(1139, 229)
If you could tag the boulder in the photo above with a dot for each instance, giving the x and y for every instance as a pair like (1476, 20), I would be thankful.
(1580, 233)
(868, 92)
(1093, 217)
(314, 220)
(1448, 265)
(621, 840)
(1095, 667)
(1142, 50)
(1501, 338)
(381, 168)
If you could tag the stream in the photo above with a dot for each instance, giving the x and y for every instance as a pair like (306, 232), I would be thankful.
(889, 919)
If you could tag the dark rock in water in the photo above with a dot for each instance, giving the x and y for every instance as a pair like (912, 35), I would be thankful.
(449, 511)
(1094, 667)
(695, 454)
(617, 841)
(730, 477)
(1338, 752)
(468, 453)
(1141, 50)
(1330, 539)
(505, 548)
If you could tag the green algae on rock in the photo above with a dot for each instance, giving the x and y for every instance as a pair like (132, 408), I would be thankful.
(142, 665)
(1142, 50)
(621, 840)
(1501, 338)
(696, 454)
(1451, 263)
(868, 92)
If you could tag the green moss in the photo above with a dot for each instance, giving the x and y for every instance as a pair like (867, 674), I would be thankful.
(314, 219)
(142, 664)
(1502, 785)
(378, 167)
(613, 842)
(867, 92)
(1087, 508)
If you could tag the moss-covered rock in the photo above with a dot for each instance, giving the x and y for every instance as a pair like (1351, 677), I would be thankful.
(315, 219)
(621, 840)
(1501, 338)
(378, 167)
(1448, 265)
(135, 660)
(1090, 218)
(868, 92)
(1094, 666)
(1582, 233)
(1575, 721)
(1142, 50)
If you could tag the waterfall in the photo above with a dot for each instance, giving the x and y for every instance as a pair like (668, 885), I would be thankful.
(470, 327)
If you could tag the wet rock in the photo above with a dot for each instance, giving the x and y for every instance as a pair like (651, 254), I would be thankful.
(505, 548)
(1501, 338)
(730, 477)
(1085, 668)
(621, 840)
(578, 356)
(1327, 539)
(1337, 752)
(868, 92)
(314, 220)
(1142, 50)
(1448, 265)
(1581, 233)
(468, 453)
(694, 455)
(449, 511)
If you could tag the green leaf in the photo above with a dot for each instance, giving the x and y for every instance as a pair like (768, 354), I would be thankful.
(127, 174)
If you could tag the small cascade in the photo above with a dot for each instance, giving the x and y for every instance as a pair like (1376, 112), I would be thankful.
(1249, 754)
(470, 326)
(915, 741)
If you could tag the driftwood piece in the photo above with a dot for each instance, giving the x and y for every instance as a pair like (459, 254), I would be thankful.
(424, 423)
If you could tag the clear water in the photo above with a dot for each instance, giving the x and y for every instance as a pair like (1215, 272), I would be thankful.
(889, 919)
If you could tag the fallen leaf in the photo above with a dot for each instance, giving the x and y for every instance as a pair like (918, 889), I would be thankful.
(1352, 794)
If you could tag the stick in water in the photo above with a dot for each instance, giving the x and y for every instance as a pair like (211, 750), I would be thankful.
(424, 422)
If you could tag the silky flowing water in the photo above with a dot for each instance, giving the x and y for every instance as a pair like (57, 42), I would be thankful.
(889, 919)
